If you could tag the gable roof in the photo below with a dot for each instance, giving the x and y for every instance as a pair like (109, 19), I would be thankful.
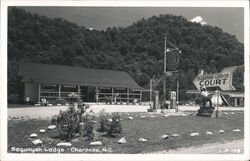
(59, 74)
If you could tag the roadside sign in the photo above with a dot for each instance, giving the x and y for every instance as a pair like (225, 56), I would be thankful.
(222, 80)
(172, 60)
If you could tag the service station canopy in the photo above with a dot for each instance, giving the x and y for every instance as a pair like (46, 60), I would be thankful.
(222, 80)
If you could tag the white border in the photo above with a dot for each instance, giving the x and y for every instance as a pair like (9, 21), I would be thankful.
(109, 157)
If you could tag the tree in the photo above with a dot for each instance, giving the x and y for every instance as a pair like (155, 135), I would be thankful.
(137, 49)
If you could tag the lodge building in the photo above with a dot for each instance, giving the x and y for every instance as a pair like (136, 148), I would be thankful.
(56, 82)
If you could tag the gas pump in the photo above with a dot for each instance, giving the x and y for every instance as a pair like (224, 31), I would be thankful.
(172, 100)
(156, 100)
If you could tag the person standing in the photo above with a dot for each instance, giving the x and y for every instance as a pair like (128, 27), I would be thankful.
(206, 101)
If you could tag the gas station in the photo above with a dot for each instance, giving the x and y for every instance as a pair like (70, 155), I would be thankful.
(221, 81)
(171, 63)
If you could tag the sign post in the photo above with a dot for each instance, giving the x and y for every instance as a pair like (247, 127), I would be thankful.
(217, 103)
(150, 93)
(177, 95)
(171, 63)
(222, 80)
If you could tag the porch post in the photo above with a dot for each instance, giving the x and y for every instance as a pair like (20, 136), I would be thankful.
(127, 95)
(79, 92)
(140, 95)
(59, 91)
(87, 94)
(97, 94)
(39, 92)
(112, 94)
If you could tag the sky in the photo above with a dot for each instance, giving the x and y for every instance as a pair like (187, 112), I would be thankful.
(229, 19)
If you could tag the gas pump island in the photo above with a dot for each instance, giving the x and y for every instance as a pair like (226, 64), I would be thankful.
(171, 63)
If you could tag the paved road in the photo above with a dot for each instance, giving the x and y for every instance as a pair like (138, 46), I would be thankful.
(49, 111)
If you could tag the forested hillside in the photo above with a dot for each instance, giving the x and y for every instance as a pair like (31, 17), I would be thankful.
(137, 49)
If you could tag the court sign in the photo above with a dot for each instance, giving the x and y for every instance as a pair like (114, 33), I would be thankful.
(222, 80)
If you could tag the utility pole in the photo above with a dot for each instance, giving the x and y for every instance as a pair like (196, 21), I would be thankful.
(164, 72)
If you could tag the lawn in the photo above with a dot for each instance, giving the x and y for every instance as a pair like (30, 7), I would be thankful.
(150, 128)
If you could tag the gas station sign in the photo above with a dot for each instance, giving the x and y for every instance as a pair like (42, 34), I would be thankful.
(172, 60)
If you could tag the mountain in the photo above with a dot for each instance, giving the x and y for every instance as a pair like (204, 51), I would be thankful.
(136, 49)
(199, 19)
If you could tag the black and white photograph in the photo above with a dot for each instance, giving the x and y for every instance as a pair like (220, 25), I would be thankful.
(107, 77)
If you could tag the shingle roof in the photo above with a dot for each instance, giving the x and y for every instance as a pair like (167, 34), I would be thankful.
(58, 74)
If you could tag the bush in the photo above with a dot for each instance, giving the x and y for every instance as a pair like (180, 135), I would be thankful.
(88, 127)
(103, 121)
(68, 122)
(114, 127)
(13, 98)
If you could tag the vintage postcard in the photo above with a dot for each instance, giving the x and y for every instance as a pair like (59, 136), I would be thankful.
(124, 80)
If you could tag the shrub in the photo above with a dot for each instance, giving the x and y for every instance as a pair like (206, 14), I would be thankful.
(88, 127)
(103, 121)
(13, 98)
(68, 122)
(114, 127)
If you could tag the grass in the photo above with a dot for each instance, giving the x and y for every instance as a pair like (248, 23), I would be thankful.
(148, 128)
